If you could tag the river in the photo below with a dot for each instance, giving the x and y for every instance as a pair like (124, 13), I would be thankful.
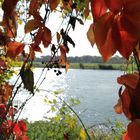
(96, 89)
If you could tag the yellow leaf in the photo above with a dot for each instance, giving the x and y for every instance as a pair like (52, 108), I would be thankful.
(82, 134)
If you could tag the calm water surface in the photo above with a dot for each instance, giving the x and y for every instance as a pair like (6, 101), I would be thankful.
(96, 89)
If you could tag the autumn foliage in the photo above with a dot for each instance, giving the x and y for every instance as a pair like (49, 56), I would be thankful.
(115, 27)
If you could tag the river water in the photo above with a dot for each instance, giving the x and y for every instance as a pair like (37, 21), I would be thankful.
(96, 89)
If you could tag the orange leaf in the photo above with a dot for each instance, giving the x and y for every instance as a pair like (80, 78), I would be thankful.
(67, 65)
(63, 57)
(90, 35)
(54, 4)
(130, 80)
(14, 49)
(98, 8)
(118, 107)
(32, 25)
(47, 37)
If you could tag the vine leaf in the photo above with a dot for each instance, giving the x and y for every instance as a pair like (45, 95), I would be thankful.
(63, 57)
(133, 130)
(98, 8)
(20, 129)
(8, 7)
(34, 6)
(14, 49)
(32, 25)
(36, 48)
(103, 36)
(27, 77)
(90, 35)
(118, 107)
(47, 37)
(38, 37)
(130, 80)
(54, 4)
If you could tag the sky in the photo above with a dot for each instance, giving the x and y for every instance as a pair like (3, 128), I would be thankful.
(79, 36)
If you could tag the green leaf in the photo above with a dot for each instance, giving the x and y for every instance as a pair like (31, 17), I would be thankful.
(27, 77)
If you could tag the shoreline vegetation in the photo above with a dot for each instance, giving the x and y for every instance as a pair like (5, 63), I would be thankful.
(88, 62)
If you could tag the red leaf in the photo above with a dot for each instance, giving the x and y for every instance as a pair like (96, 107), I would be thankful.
(16, 130)
(115, 6)
(38, 37)
(12, 111)
(19, 128)
(131, 6)
(2, 110)
(128, 44)
(131, 23)
(130, 80)
(103, 36)
(133, 130)
(36, 48)
(126, 101)
(34, 6)
(98, 8)
(47, 37)
(14, 49)
(6, 128)
(101, 28)
(22, 125)
(8, 6)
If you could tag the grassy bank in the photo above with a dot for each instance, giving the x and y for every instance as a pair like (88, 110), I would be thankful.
(64, 129)
(102, 66)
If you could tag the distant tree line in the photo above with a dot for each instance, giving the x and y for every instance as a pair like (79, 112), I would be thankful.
(85, 59)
